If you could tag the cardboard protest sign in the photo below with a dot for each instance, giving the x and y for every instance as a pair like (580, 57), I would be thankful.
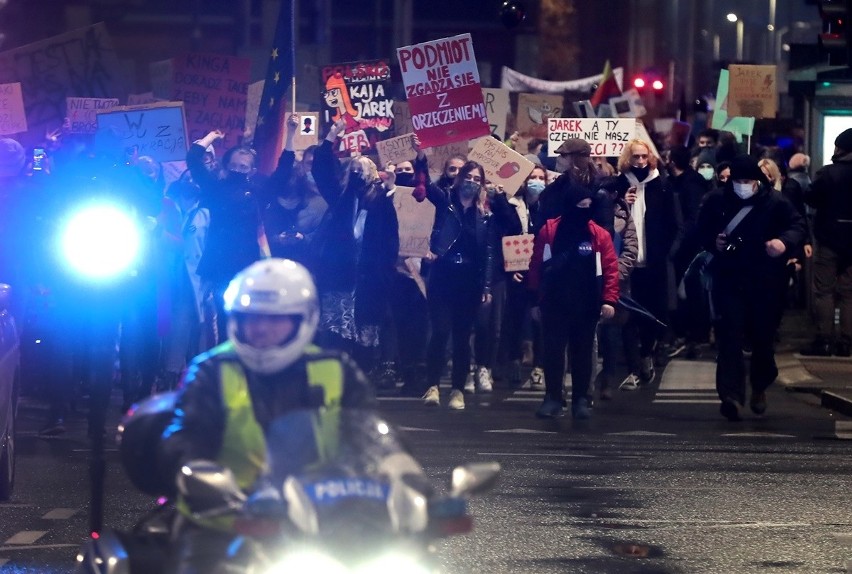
(532, 114)
(752, 91)
(360, 94)
(13, 120)
(517, 252)
(395, 150)
(81, 113)
(80, 63)
(497, 108)
(157, 130)
(439, 155)
(722, 120)
(415, 222)
(402, 119)
(502, 165)
(584, 109)
(214, 90)
(637, 105)
(607, 137)
(442, 88)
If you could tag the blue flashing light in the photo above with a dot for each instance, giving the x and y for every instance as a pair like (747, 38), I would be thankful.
(100, 242)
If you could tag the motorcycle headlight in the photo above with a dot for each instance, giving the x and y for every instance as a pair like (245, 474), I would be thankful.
(100, 242)
(393, 564)
(314, 562)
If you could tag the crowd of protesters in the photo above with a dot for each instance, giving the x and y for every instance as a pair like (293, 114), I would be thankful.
(650, 255)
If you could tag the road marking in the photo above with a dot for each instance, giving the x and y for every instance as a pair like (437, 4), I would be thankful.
(843, 429)
(681, 374)
(688, 401)
(60, 514)
(522, 431)
(400, 399)
(641, 433)
(523, 400)
(665, 393)
(537, 455)
(38, 547)
(760, 435)
(90, 450)
(415, 429)
(26, 537)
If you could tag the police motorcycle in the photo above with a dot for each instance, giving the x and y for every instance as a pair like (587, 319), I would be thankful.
(340, 495)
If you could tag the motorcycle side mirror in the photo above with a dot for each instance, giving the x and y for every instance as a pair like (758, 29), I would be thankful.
(474, 478)
(209, 486)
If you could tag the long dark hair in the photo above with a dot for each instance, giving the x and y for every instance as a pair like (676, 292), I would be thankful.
(468, 167)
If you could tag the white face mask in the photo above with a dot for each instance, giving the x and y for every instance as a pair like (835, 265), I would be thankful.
(706, 172)
(744, 190)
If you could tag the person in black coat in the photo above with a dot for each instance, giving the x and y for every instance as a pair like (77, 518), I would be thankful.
(749, 279)
(354, 252)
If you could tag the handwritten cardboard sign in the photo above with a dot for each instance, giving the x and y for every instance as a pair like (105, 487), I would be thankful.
(395, 150)
(13, 120)
(81, 62)
(607, 137)
(497, 108)
(82, 113)
(517, 252)
(752, 91)
(443, 91)
(360, 94)
(531, 115)
(415, 223)
(502, 165)
(214, 90)
(439, 155)
(402, 119)
(159, 130)
(722, 120)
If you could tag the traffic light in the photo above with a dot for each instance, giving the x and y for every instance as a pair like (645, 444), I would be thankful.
(834, 40)
(649, 82)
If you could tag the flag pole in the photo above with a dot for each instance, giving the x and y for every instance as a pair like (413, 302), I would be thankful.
(293, 90)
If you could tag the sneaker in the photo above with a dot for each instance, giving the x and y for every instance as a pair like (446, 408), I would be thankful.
(536, 379)
(758, 403)
(631, 383)
(647, 372)
(53, 429)
(581, 410)
(549, 409)
(484, 381)
(469, 385)
(819, 347)
(456, 401)
(432, 398)
(677, 348)
(730, 409)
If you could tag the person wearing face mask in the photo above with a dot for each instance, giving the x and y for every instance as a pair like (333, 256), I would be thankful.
(574, 272)
(460, 277)
(353, 252)
(652, 207)
(749, 229)
(236, 197)
(577, 168)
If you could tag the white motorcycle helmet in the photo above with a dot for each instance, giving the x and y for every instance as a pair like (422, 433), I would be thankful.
(272, 287)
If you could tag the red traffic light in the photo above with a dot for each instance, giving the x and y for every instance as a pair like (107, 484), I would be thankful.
(639, 83)
(657, 85)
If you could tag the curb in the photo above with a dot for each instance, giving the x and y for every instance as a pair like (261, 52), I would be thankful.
(795, 377)
(836, 402)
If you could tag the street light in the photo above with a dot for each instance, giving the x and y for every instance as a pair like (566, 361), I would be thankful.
(740, 31)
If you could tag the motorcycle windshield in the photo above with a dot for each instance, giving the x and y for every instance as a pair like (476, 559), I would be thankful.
(336, 456)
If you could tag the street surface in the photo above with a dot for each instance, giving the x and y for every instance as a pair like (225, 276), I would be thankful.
(655, 483)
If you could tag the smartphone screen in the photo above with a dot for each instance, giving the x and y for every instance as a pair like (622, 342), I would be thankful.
(38, 159)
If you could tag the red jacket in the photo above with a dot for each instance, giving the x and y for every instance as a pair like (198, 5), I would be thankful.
(601, 244)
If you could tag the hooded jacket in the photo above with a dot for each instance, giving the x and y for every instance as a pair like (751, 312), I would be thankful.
(831, 195)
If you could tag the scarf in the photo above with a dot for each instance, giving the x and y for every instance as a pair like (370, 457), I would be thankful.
(637, 210)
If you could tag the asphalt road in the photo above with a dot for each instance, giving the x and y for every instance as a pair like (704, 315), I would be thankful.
(656, 482)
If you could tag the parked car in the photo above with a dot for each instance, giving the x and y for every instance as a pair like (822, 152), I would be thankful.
(10, 378)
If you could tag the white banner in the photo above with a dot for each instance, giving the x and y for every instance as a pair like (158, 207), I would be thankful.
(606, 137)
(518, 82)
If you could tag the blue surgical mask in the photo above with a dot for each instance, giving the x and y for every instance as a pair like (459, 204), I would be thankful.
(744, 190)
(535, 187)
(706, 172)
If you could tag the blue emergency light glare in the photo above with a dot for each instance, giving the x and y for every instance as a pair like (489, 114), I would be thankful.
(100, 242)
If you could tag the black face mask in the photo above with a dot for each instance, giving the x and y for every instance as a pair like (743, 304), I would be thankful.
(405, 179)
(236, 178)
(641, 172)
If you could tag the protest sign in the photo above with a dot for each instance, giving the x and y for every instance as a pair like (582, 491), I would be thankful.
(214, 90)
(752, 91)
(80, 63)
(360, 94)
(13, 120)
(439, 155)
(637, 106)
(607, 137)
(402, 119)
(517, 252)
(143, 98)
(443, 91)
(415, 222)
(497, 109)
(532, 114)
(81, 113)
(306, 134)
(395, 150)
(157, 130)
(502, 165)
(162, 78)
(737, 125)
(584, 109)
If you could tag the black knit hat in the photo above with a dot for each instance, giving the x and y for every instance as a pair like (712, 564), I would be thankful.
(744, 167)
(844, 140)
